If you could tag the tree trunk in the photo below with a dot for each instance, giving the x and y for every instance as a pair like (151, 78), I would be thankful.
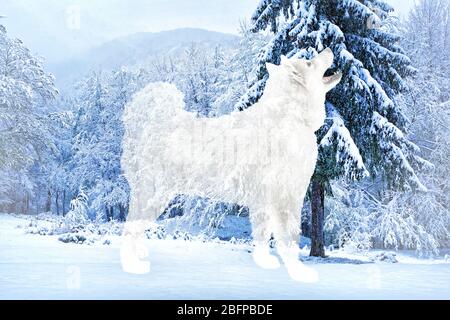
(57, 203)
(64, 203)
(109, 213)
(48, 203)
(122, 216)
(27, 204)
(317, 219)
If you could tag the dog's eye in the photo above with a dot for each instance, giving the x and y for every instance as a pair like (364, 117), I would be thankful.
(309, 64)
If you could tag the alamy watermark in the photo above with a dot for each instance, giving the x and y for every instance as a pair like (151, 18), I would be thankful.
(73, 17)
(73, 280)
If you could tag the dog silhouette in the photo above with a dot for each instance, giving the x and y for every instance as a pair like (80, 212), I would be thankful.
(262, 158)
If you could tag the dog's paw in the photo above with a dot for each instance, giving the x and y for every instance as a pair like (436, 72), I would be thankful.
(265, 260)
(131, 253)
(301, 273)
(136, 267)
(141, 250)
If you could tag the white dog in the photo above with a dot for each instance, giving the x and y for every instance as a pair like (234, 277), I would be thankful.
(262, 158)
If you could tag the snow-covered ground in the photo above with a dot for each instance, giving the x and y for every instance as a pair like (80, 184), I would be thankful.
(41, 267)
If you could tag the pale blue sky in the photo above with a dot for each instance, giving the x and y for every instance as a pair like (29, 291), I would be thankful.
(51, 27)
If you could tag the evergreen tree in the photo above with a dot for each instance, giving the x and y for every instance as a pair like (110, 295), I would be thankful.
(238, 68)
(113, 186)
(427, 36)
(427, 41)
(97, 143)
(88, 160)
(58, 170)
(364, 133)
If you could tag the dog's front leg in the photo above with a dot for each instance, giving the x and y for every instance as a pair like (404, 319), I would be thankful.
(287, 235)
(296, 269)
(262, 231)
(133, 249)
(263, 258)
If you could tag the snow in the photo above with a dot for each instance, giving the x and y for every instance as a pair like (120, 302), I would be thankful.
(41, 267)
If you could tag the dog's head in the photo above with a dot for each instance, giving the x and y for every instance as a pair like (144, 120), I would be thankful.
(307, 75)
(305, 81)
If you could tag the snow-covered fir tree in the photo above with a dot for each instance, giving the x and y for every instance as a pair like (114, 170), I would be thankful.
(238, 69)
(59, 167)
(97, 143)
(365, 131)
(86, 132)
(200, 77)
(414, 219)
(427, 38)
(87, 161)
(427, 41)
(212, 79)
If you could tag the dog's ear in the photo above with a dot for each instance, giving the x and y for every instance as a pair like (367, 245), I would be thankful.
(271, 68)
(296, 72)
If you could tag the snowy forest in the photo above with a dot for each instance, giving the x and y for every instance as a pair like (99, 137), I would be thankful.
(381, 180)
(382, 176)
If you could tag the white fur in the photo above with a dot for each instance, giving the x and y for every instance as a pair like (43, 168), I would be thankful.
(262, 158)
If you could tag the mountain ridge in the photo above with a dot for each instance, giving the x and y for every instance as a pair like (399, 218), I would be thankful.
(136, 49)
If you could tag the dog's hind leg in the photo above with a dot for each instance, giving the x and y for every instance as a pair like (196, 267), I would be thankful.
(262, 231)
(287, 235)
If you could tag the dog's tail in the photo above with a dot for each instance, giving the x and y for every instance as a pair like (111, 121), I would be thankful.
(147, 119)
